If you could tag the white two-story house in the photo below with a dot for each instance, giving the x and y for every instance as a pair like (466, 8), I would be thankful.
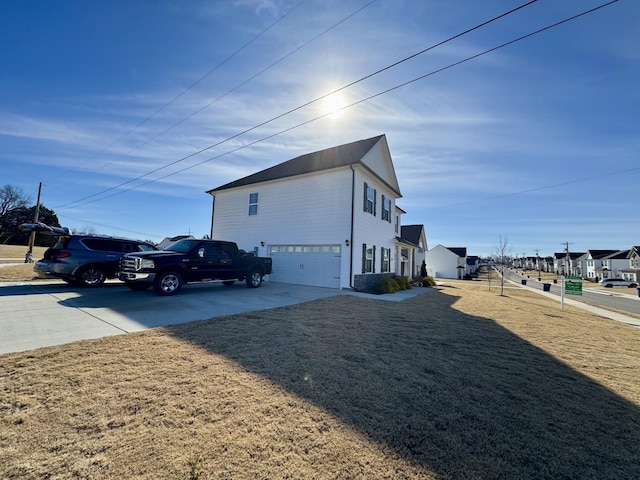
(326, 218)
(614, 264)
(593, 264)
(632, 271)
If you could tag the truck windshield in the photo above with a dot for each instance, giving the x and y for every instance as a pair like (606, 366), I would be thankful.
(182, 246)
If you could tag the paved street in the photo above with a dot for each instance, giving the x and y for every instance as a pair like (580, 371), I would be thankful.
(624, 299)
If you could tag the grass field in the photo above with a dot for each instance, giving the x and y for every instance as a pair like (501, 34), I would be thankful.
(457, 383)
(22, 272)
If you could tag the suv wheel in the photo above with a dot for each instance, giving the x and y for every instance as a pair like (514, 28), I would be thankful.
(91, 276)
(167, 283)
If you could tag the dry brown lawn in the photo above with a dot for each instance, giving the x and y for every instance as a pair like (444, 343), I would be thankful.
(459, 383)
(22, 272)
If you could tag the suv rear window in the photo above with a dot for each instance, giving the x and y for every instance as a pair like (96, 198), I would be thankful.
(99, 244)
(61, 243)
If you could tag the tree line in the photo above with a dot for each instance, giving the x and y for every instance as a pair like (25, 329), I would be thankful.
(15, 210)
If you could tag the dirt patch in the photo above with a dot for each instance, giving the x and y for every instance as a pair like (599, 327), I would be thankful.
(459, 383)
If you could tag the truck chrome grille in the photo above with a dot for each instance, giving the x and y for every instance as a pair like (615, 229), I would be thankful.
(130, 263)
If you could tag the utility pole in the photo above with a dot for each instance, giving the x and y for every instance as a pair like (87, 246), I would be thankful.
(36, 216)
(567, 260)
(538, 262)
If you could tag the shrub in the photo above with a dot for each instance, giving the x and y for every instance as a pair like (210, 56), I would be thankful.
(423, 269)
(427, 281)
(385, 285)
(403, 283)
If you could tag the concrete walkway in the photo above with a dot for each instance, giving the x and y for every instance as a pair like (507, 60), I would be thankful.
(603, 312)
(50, 312)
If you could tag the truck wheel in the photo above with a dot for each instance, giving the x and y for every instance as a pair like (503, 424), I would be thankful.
(137, 287)
(254, 279)
(91, 276)
(167, 283)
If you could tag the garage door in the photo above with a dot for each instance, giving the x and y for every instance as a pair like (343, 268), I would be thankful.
(316, 265)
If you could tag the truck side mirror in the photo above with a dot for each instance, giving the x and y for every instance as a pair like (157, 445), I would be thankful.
(201, 252)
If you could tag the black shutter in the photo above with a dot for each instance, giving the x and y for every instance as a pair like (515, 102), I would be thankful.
(365, 196)
(375, 201)
(382, 216)
(364, 257)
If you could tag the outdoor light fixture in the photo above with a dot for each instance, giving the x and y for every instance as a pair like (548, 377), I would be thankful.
(262, 244)
(346, 242)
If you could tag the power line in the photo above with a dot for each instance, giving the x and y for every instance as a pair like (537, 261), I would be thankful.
(281, 59)
(309, 103)
(223, 62)
(511, 42)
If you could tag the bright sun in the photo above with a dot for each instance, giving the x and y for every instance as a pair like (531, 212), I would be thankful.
(333, 105)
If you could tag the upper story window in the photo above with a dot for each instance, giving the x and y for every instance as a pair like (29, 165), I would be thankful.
(386, 209)
(369, 199)
(253, 204)
(397, 223)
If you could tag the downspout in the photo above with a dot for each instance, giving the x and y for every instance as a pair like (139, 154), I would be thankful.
(353, 199)
(213, 207)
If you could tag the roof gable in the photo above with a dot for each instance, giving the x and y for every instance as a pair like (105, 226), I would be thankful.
(412, 233)
(459, 251)
(572, 255)
(619, 255)
(598, 254)
(335, 157)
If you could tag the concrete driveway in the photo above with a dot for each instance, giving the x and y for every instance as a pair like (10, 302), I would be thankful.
(39, 314)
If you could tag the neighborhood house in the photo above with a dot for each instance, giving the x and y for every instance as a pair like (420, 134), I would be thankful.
(327, 218)
(449, 262)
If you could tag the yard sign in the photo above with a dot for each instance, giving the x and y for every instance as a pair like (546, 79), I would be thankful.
(571, 285)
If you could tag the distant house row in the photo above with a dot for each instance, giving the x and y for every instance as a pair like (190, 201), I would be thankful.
(591, 265)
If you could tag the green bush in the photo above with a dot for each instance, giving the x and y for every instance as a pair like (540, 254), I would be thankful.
(385, 285)
(403, 283)
(423, 269)
(427, 281)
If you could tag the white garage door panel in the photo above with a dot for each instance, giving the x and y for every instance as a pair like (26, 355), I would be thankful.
(316, 265)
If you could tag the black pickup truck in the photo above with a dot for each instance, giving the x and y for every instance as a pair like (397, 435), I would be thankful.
(192, 260)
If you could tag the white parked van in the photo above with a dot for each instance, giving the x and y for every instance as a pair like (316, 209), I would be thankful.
(618, 282)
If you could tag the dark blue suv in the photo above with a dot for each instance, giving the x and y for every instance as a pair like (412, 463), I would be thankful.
(85, 260)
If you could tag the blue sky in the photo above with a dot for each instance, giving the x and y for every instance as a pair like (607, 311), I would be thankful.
(108, 102)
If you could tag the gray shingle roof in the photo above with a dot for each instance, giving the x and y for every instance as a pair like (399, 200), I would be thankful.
(334, 157)
(411, 233)
(459, 251)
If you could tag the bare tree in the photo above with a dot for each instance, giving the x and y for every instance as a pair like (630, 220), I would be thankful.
(11, 199)
(503, 260)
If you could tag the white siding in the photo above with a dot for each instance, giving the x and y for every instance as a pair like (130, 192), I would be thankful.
(372, 229)
(379, 161)
(442, 263)
(312, 209)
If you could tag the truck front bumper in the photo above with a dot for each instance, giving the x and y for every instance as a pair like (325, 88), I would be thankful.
(136, 277)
